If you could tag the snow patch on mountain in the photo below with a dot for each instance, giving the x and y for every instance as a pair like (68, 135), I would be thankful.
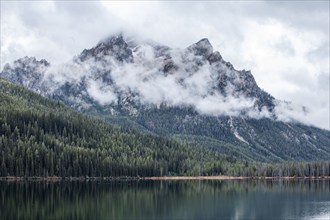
(235, 132)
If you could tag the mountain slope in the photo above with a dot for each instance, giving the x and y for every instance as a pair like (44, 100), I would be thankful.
(192, 94)
(40, 137)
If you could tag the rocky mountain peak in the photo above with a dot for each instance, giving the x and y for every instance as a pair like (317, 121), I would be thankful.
(27, 62)
(114, 46)
(202, 48)
(221, 77)
(26, 65)
(27, 71)
(215, 57)
(115, 40)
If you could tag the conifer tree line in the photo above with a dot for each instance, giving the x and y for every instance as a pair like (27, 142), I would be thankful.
(40, 137)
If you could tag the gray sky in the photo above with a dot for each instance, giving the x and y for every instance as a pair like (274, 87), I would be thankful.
(285, 44)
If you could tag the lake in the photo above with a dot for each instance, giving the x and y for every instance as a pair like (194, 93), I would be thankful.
(193, 199)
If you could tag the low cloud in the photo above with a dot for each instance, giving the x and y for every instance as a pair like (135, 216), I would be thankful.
(107, 81)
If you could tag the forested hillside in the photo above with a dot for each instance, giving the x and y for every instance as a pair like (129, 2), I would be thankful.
(40, 137)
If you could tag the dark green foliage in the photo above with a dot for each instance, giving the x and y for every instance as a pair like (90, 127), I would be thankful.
(268, 140)
(288, 169)
(39, 137)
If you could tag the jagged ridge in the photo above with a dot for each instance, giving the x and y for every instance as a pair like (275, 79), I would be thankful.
(112, 60)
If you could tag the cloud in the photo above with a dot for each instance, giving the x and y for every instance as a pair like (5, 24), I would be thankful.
(285, 44)
(102, 94)
(108, 81)
(54, 30)
(192, 84)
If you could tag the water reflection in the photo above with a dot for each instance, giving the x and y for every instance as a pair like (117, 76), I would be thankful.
(234, 199)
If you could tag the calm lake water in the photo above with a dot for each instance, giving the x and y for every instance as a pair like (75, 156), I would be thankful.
(230, 199)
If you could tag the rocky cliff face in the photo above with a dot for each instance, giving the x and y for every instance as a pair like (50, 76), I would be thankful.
(197, 73)
(26, 71)
(114, 55)
(191, 94)
(115, 47)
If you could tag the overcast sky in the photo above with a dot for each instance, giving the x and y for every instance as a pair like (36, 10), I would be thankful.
(285, 44)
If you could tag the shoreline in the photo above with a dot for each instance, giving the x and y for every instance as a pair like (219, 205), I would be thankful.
(58, 178)
(154, 178)
(231, 178)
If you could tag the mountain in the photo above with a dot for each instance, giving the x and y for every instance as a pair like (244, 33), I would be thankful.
(192, 95)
